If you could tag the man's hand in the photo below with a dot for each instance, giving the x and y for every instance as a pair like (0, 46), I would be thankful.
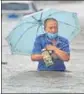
(59, 53)
(50, 47)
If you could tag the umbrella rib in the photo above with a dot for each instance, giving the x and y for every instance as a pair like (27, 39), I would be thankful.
(37, 30)
(56, 13)
(66, 23)
(41, 16)
(30, 22)
(72, 33)
(42, 29)
(20, 25)
(23, 34)
(34, 18)
(53, 13)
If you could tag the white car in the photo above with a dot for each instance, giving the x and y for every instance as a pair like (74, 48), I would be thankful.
(14, 9)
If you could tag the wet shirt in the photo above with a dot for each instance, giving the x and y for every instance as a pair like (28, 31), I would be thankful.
(61, 43)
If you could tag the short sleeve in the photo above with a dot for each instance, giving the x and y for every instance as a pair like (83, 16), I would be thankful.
(37, 46)
(65, 46)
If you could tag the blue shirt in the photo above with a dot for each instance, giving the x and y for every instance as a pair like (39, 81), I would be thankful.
(61, 43)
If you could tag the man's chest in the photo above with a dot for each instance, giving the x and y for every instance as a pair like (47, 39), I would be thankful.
(46, 42)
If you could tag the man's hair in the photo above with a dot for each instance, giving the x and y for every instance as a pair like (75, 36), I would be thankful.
(46, 20)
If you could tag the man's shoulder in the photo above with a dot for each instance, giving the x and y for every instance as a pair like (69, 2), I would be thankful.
(41, 36)
(62, 39)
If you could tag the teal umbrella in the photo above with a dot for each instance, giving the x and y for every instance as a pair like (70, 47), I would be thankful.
(21, 38)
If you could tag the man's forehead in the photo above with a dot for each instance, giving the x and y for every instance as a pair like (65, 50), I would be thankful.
(51, 22)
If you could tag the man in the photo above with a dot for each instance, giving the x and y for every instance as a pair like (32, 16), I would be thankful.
(52, 42)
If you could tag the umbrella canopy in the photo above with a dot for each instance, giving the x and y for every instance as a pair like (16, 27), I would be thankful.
(22, 37)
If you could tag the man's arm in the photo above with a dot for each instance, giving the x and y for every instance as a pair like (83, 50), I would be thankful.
(36, 52)
(61, 54)
(36, 57)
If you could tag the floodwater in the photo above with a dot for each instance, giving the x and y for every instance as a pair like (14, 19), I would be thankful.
(19, 73)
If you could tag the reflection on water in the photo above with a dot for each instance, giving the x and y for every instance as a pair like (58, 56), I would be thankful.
(45, 81)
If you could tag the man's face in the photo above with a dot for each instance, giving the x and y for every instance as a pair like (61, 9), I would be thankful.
(51, 26)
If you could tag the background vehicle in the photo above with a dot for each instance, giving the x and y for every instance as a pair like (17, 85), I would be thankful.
(14, 9)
